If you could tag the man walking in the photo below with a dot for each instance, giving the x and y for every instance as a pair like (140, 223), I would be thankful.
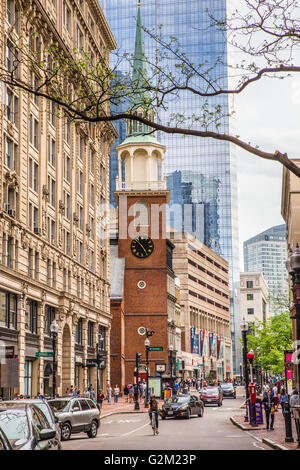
(270, 405)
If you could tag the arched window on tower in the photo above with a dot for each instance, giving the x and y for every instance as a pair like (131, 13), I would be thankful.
(141, 214)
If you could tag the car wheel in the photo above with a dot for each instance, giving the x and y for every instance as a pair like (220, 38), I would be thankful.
(65, 432)
(201, 413)
(93, 430)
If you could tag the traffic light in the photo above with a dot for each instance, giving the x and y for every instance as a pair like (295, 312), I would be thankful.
(138, 359)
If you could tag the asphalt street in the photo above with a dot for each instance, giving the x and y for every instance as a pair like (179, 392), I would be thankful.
(214, 431)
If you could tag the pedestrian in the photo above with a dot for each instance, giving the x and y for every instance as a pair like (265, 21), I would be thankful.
(116, 394)
(270, 405)
(126, 393)
(275, 393)
(131, 393)
(109, 393)
(100, 399)
(87, 393)
(294, 400)
(265, 388)
(92, 392)
(283, 398)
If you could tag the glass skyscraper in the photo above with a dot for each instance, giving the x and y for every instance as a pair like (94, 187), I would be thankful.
(201, 172)
(267, 253)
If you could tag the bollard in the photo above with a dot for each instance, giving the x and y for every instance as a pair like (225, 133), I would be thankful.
(288, 422)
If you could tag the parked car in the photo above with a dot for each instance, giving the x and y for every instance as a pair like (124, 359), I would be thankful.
(44, 406)
(76, 415)
(228, 390)
(211, 395)
(26, 427)
(4, 442)
(185, 405)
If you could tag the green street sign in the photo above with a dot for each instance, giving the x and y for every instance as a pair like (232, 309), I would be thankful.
(44, 354)
(156, 348)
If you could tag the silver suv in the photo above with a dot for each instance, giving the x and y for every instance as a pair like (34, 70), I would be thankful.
(76, 414)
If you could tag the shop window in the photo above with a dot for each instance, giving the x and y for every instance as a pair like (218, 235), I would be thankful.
(28, 378)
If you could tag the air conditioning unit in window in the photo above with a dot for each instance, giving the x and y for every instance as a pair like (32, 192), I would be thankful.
(37, 230)
(12, 213)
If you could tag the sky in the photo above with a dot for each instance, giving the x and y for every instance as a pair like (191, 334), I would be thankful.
(267, 114)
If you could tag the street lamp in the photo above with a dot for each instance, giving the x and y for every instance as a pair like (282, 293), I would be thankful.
(171, 348)
(54, 333)
(244, 330)
(293, 268)
(147, 344)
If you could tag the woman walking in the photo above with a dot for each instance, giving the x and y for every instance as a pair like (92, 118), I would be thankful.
(109, 394)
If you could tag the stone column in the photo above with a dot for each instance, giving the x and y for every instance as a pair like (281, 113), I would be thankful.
(84, 343)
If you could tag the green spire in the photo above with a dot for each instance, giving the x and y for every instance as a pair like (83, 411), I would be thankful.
(137, 132)
(139, 75)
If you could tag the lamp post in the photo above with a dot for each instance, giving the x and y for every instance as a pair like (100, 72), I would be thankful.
(244, 329)
(293, 268)
(147, 344)
(171, 366)
(54, 333)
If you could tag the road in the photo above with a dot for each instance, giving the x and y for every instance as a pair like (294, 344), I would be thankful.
(214, 431)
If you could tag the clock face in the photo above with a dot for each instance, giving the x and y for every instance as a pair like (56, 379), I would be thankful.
(142, 247)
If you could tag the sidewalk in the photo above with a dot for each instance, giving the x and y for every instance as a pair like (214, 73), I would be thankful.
(276, 438)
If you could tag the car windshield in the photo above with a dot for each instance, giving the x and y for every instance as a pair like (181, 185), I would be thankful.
(227, 386)
(180, 399)
(44, 408)
(14, 424)
(211, 391)
(59, 405)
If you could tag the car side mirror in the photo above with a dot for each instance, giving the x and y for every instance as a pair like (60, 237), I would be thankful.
(46, 434)
(56, 420)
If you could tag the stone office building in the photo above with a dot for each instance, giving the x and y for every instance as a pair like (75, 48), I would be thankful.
(54, 261)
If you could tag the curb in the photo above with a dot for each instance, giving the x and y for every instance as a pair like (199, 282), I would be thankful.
(245, 428)
(273, 444)
(265, 440)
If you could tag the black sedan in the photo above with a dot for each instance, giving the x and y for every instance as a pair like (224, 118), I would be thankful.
(26, 427)
(228, 390)
(186, 405)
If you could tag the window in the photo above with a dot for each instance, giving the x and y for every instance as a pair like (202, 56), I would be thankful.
(67, 202)
(11, 59)
(79, 332)
(250, 296)
(11, 154)
(80, 182)
(51, 189)
(66, 16)
(35, 133)
(28, 378)
(81, 147)
(250, 311)
(68, 131)
(92, 225)
(84, 405)
(8, 310)
(92, 194)
(90, 334)
(52, 113)
(67, 167)
(49, 317)
(102, 338)
(51, 150)
(12, 105)
(31, 316)
(13, 14)
(249, 284)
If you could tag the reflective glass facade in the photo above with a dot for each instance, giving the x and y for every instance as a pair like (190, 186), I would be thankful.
(200, 172)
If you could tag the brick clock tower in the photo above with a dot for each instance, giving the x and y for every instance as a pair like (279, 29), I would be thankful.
(142, 197)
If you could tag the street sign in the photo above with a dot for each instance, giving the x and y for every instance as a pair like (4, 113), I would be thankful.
(156, 348)
(44, 354)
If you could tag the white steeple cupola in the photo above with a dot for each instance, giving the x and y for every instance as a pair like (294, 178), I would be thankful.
(140, 156)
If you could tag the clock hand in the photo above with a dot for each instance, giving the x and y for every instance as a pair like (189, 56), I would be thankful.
(142, 246)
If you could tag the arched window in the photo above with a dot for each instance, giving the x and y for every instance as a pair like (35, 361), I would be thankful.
(141, 214)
